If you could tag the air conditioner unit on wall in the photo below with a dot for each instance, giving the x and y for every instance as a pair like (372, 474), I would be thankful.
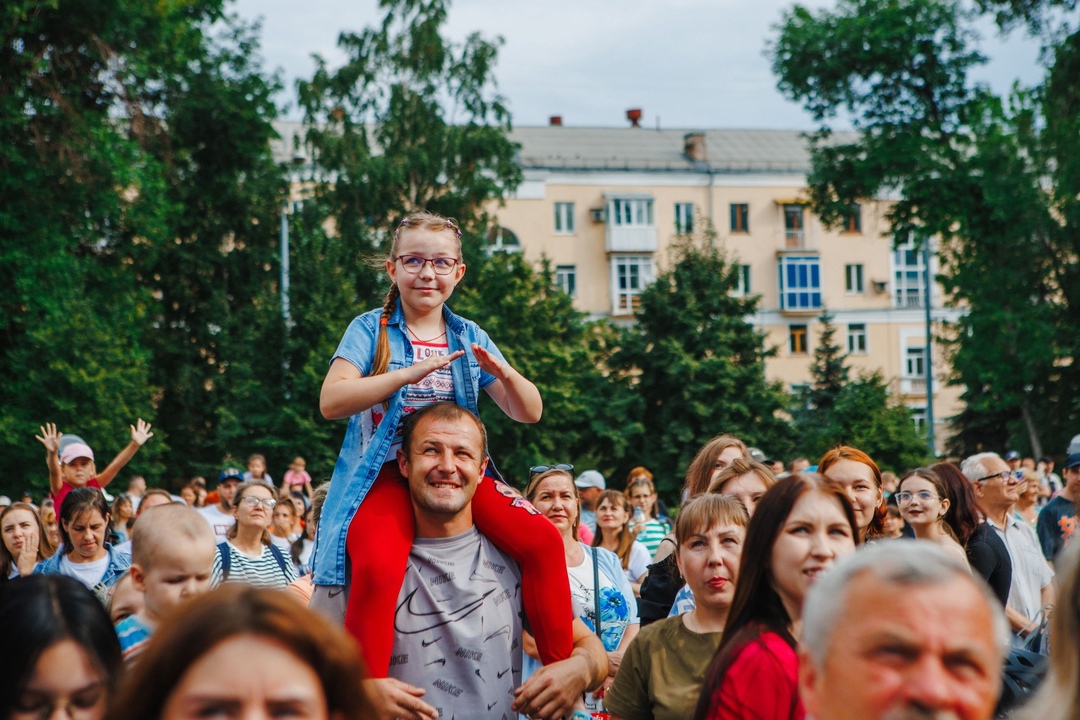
(598, 215)
(880, 286)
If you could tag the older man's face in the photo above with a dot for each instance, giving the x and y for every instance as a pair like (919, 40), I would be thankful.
(907, 653)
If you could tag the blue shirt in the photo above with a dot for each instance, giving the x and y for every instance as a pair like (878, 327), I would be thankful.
(363, 451)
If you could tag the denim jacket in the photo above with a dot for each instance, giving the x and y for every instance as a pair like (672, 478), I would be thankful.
(359, 461)
(118, 565)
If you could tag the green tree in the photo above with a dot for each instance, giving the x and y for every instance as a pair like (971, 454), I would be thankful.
(695, 365)
(828, 370)
(981, 175)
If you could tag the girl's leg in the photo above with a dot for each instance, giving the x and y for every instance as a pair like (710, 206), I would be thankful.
(378, 544)
(509, 521)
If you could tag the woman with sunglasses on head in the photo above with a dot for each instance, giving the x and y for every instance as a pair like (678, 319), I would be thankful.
(924, 503)
(249, 555)
(596, 576)
(410, 353)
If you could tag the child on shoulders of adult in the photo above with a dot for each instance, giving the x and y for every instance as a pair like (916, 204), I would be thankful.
(73, 466)
(172, 551)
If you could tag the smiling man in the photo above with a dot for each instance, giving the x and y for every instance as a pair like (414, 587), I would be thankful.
(458, 623)
(902, 631)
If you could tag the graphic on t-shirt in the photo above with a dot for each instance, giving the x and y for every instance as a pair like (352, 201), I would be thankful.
(516, 499)
(413, 620)
(1067, 524)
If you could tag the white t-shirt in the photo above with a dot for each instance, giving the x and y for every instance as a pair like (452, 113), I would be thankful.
(639, 562)
(219, 521)
(89, 574)
(283, 544)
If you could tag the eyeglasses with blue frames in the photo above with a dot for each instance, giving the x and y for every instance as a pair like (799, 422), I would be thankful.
(413, 264)
(537, 469)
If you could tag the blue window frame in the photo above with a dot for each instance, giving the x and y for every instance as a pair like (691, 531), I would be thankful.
(800, 282)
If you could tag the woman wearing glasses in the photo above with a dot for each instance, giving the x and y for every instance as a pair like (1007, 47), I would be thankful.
(924, 503)
(392, 361)
(248, 555)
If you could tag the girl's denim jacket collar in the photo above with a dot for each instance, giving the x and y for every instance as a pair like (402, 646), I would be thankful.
(357, 466)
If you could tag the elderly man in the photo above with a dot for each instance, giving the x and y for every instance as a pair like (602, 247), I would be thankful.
(901, 630)
(458, 623)
(997, 489)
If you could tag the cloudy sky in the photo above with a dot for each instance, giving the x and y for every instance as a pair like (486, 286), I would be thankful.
(685, 63)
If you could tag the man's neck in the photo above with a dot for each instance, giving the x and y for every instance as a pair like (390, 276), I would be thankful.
(997, 515)
(225, 507)
(432, 525)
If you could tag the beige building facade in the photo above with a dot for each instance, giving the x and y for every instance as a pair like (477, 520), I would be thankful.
(605, 205)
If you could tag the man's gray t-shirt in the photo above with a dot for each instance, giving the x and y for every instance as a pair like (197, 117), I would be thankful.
(457, 627)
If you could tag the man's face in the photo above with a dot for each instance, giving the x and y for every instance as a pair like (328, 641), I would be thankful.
(907, 652)
(589, 497)
(997, 490)
(443, 466)
(227, 491)
(1071, 476)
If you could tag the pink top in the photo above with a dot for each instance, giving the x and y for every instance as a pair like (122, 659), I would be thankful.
(762, 683)
(293, 478)
(65, 488)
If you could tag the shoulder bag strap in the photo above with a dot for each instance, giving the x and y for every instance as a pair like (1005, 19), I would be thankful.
(596, 589)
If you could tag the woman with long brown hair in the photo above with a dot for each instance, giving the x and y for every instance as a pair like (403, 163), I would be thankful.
(924, 502)
(859, 476)
(614, 533)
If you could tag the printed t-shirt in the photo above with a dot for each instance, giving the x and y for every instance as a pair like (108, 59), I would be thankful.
(655, 531)
(65, 488)
(436, 387)
(661, 673)
(1057, 526)
(134, 635)
(457, 628)
(219, 522)
(88, 573)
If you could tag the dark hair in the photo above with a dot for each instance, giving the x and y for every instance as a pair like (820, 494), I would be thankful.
(195, 629)
(318, 497)
(150, 493)
(234, 530)
(964, 515)
(757, 608)
(78, 501)
(930, 475)
(45, 547)
(846, 452)
(445, 410)
(38, 611)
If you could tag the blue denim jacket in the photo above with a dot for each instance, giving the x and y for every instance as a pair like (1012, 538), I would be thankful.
(118, 565)
(358, 464)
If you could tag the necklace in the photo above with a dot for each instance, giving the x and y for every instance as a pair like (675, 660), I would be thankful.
(417, 337)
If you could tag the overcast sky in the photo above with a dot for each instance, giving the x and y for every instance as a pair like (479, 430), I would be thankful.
(685, 63)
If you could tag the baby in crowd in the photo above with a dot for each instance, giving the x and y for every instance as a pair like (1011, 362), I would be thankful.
(172, 554)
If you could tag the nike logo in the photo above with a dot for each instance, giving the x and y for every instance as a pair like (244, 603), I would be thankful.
(500, 675)
(440, 661)
(504, 630)
(492, 705)
(480, 676)
(425, 643)
(410, 621)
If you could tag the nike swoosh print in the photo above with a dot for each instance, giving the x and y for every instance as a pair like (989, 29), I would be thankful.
(409, 621)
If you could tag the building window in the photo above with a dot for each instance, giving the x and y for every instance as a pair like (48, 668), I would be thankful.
(909, 286)
(630, 275)
(800, 282)
(918, 416)
(632, 212)
(794, 226)
(853, 279)
(684, 218)
(740, 218)
(856, 338)
(853, 219)
(915, 362)
(564, 218)
(566, 279)
(797, 338)
(742, 280)
(500, 238)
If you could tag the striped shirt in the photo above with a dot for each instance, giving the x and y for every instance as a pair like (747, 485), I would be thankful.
(654, 532)
(263, 571)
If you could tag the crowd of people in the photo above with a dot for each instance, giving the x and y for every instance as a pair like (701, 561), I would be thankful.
(416, 583)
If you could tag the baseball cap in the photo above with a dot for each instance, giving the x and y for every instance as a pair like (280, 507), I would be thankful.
(1012, 455)
(590, 479)
(231, 473)
(4, 501)
(74, 451)
(1072, 460)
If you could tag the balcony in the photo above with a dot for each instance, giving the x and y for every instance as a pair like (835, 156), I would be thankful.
(912, 386)
(631, 239)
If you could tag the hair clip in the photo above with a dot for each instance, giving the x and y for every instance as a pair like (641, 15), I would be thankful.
(384, 321)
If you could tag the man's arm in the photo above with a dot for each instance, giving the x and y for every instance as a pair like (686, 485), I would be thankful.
(554, 689)
(140, 433)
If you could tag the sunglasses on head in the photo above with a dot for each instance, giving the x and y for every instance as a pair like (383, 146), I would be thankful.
(537, 469)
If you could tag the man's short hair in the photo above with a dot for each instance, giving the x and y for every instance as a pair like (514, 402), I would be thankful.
(975, 468)
(445, 410)
(909, 563)
(162, 526)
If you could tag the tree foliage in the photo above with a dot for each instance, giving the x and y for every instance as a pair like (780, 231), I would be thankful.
(991, 179)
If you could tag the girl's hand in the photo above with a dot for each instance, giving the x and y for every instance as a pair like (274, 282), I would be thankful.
(140, 432)
(489, 363)
(28, 557)
(49, 437)
(419, 371)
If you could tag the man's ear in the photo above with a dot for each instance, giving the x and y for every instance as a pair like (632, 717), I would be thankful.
(138, 578)
(483, 470)
(403, 463)
(808, 678)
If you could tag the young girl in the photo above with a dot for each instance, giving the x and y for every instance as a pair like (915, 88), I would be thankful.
(391, 361)
(924, 503)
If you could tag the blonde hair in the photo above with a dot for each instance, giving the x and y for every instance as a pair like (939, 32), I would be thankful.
(166, 525)
(703, 464)
(426, 221)
(740, 467)
(534, 484)
(707, 511)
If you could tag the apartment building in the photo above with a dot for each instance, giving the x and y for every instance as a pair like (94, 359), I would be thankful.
(604, 205)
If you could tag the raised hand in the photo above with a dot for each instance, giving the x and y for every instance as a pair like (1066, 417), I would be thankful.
(140, 432)
(49, 437)
(489, 363)
(417, 372)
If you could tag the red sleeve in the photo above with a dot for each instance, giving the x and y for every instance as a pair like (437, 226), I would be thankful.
(761, 684)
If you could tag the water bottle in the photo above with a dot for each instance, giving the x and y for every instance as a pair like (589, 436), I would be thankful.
(639, 518)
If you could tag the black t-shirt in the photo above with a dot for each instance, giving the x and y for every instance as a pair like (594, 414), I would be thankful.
(1057, 523)
(990, 558)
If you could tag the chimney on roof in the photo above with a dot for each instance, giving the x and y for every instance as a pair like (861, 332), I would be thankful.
(555, 121)
(694, 147)
(634, 116)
